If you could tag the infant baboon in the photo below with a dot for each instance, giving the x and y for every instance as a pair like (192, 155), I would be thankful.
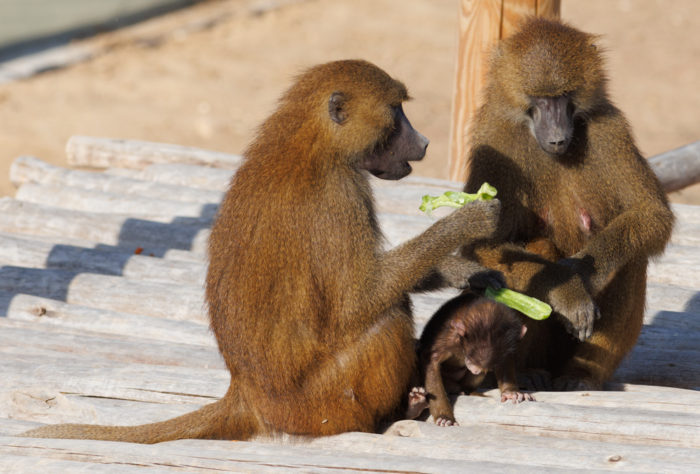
(311, 316)
(467, 338)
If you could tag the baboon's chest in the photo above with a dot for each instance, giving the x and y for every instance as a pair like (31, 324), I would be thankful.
(568, 218)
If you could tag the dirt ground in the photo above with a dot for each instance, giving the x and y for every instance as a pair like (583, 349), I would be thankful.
(207, 75)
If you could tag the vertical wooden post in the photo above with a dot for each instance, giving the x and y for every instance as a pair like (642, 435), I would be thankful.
(481, 24)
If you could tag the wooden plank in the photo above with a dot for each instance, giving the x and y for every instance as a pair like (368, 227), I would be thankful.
(28, 169)
(23, 251)
(484, 442)
(46, 312)
(70, 374)
(661, 297)
(108, 152)
(67, 197)
(194, 176)
(146, 250)
(164, 300)
(48, 340)
(631, 425)
(119, 230)
(686, 212)
(236, 457)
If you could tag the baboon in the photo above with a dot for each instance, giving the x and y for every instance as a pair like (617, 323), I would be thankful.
(467, 338)
(311, 316)
(567, 171)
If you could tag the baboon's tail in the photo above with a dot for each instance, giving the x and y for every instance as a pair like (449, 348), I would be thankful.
(211, 421)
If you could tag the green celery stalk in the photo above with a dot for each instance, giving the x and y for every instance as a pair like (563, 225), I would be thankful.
(530, 307)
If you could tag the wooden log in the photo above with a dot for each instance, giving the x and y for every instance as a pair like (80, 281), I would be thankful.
(79, 199)
(26, 252)
(28, 169)
(108, 152)
(46, 312)
(163, 300)
(481, 24)
(118, 230)
(678, 168)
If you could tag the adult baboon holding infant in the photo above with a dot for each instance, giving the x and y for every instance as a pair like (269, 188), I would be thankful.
(582, 212)
(311, 316)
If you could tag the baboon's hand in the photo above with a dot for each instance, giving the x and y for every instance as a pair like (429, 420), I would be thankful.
(486, 278)
(479, 219)
(574, 304)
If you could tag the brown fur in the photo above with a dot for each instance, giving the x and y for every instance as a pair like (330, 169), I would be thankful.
(593, 198)
(467, 338)
(311, 317)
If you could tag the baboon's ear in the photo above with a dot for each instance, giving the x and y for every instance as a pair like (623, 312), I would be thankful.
(336, 107)
(459, 326)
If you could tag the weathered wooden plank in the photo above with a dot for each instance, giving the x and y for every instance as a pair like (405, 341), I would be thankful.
(108, 152)
(631, 425)
(193, 176)
(653, 362)
(622, 395)
(661, 297)
(239, 457)
(47, 312)
(67, 197)
(164, 300)
(484, 442)
(460, 447)
(111, 229)
(22, 251)
(72, 374)
(686, 212)
(162, 252)
(33, 461)
(28, 169)
(15, 335)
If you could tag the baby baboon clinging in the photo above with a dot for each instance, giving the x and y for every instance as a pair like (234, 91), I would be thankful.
(311, 317)
(467, 338)
(567, 170)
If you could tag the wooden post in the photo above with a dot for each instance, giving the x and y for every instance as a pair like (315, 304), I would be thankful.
(481, 24)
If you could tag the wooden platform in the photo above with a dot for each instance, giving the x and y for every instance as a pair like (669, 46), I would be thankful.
(102, 321)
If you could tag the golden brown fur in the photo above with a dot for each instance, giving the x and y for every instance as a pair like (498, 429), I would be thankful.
(592, 196)
(311, 316)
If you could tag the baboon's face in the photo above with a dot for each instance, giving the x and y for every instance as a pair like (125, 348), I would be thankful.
(390, 158)
(551, 123)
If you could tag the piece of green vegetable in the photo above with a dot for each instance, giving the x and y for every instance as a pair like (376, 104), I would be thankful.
(456, 198)
(530, 307)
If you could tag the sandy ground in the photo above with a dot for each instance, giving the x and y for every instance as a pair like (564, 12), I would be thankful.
(207, 75)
